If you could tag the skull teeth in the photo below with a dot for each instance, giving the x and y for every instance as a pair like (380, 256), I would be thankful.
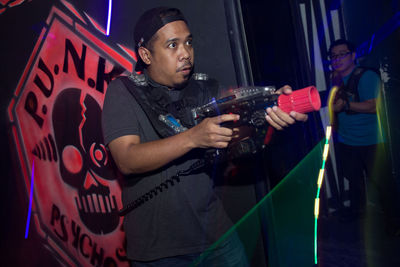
(94, 203)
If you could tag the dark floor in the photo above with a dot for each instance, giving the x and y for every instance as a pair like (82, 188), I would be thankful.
(359, 240)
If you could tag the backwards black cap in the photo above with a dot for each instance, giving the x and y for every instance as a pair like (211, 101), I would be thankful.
(149, 23)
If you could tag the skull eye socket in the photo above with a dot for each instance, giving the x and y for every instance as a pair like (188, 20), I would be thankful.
(72, 159)
(98, 154)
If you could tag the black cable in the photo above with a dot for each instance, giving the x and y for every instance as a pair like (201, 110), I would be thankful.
(162, 187)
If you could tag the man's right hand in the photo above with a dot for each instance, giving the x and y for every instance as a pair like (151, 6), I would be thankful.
(209, 133)
(133, 156)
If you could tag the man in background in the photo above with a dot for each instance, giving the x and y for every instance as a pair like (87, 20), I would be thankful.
(359, 136)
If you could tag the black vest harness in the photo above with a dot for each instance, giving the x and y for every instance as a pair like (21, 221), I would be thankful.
(155, 101)
(351, 88)
(157, 105)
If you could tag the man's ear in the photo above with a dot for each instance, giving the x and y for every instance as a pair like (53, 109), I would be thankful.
(145, 55)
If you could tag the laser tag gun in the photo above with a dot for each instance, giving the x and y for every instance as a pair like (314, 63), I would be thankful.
(251, 103)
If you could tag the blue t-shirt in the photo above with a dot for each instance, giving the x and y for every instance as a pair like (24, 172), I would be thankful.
(361, 129)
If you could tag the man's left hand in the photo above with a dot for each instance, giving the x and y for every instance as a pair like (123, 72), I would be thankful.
(280, 119)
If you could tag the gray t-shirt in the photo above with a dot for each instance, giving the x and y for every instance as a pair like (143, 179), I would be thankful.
(185, 218)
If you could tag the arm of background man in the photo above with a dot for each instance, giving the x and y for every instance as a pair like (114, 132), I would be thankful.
(368, 106)
(368, 88)
(132, 156)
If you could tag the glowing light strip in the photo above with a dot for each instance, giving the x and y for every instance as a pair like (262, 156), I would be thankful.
(16, 3)
(72, 9)
(109, 17)
(129, 52)
(320, 180)
(96, 25)
(30, 203)
(381, 34)
(372, 41)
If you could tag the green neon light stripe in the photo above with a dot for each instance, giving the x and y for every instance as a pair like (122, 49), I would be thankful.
(289, 212)
(317, 197)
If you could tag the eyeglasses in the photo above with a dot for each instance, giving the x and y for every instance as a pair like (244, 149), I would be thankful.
(339, 56)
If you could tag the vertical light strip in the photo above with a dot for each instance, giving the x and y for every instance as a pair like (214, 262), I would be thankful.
(109, 17)
(335, 24)
(320, 81)
(305, 29)
(319, 182)
(372, 41)
(325, 23)
(30, 203)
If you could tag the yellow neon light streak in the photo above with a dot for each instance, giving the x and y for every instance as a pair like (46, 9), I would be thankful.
(319, 182)
(320, 177)
(316, 208)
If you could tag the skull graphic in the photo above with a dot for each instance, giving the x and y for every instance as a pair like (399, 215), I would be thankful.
(84, 161)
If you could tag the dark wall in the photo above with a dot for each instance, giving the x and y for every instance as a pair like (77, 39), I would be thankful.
(275, 60)
(271, 42)
(19, 30)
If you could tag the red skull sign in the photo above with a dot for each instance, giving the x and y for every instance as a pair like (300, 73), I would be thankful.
(56, 122)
